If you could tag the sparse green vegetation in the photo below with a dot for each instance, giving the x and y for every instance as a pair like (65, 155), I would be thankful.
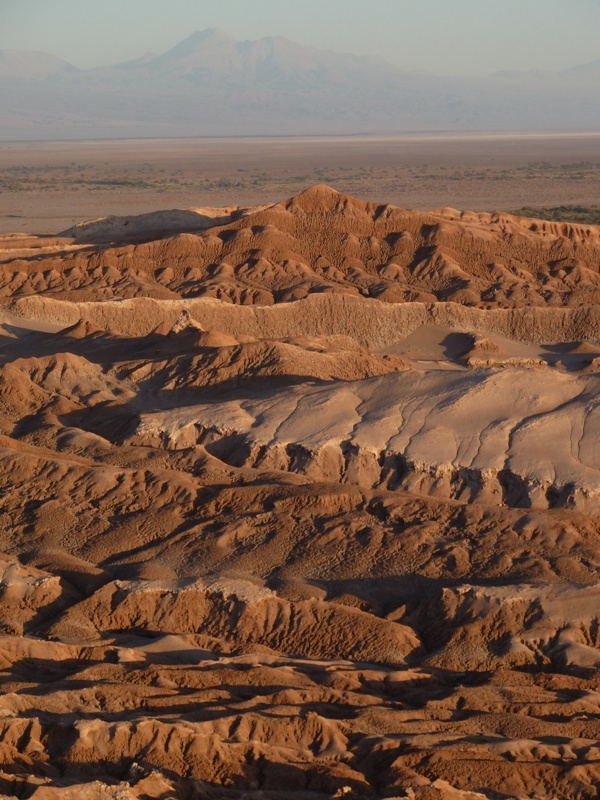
(586, 215)
(496, 184)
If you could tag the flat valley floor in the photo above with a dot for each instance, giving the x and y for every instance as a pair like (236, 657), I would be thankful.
(47, 187)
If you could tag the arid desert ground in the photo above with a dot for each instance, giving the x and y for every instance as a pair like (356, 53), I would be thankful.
(299, 486)
(46, 187)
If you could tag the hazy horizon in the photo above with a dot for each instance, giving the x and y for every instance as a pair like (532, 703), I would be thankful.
(288, 72)
(463, 38)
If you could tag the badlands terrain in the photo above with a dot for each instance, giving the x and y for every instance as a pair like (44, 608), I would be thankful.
(300, 500)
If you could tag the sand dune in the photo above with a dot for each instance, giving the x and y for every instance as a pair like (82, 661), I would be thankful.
(153, 225)
(303, 504)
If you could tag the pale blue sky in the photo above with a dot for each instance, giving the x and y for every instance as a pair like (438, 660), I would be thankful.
(451, 37)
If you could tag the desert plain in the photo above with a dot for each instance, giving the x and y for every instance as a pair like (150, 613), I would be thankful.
(46, 187)
(300, 483)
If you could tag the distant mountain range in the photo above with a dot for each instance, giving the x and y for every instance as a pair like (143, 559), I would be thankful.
(212, 85)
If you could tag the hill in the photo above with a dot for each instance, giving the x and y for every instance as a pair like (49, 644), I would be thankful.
(319, 242)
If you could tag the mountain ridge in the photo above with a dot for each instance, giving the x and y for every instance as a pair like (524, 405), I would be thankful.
(213, 54)
(214, 36)
(31, 64)
(209, 84)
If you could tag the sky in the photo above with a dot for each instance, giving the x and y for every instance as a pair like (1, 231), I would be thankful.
(445, 37)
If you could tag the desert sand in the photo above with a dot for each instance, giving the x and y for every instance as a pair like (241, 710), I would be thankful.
(300, 500)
